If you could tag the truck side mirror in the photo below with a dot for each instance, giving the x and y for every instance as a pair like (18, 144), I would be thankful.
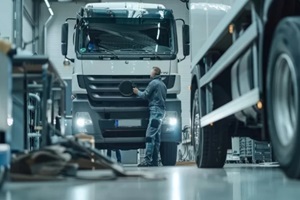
(186, 40)
(64, 39)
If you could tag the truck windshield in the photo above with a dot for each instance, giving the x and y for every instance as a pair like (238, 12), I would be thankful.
(117, 36)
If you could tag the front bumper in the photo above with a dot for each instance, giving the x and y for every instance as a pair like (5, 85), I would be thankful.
(108, 135)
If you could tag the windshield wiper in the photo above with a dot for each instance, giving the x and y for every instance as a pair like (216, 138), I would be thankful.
(106, 50)
(150, 54)
(137, 50)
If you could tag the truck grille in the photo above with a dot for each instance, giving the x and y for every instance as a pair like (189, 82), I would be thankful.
(102, 88)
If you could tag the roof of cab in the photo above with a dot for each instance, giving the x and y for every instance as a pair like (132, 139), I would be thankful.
(125, 5)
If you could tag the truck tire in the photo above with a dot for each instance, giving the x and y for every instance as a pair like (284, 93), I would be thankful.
(282, 95)
(168, 153)
(210, 142)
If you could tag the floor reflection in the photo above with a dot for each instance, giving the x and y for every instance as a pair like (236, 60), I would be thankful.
(182, 183)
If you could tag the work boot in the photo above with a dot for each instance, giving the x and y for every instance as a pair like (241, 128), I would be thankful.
(148, 155)
(145, 163)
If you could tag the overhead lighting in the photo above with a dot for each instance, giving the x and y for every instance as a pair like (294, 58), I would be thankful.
(50, 11)
(49, 8)
(47, 3)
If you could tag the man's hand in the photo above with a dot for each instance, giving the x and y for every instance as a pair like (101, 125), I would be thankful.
(135, 90)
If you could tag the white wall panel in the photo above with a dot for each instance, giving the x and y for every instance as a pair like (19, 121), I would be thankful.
(6, 21)
(6, 17)
(27, 34)
(61, 12)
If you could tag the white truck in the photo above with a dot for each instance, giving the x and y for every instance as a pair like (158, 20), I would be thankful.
(116, 46)
(245, 78)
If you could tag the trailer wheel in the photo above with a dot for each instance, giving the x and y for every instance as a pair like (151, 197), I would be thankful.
(168, 153)
(283, 90)
(210, 142)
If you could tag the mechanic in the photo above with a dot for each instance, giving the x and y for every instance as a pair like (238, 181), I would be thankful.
(155, 93)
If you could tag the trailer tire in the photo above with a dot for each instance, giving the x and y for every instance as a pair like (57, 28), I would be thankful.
(210, 142)
(282, 95)
(168, 153)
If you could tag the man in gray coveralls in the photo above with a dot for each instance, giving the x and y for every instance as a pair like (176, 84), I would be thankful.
(155, 93)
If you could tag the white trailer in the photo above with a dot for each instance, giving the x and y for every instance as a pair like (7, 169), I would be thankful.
(245, 79)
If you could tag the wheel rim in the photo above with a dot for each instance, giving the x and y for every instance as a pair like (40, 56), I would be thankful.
(196, 127)
(284, 99)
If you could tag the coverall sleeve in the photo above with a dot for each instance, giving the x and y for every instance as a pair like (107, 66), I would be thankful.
(148, 91)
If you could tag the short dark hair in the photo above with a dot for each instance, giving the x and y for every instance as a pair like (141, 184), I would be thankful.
(157, 70)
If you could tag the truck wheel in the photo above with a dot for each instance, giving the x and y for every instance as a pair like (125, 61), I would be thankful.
(168, 153)
(210, 142)
(283, 90)
(195, 129)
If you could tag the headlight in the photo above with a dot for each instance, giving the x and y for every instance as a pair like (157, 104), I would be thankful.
(80, 122)
(171, 118)
(172, 121)
(83, 119)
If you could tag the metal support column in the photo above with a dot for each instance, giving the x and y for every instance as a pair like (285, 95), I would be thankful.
(25, 111)
(36, 31)
(17, 22)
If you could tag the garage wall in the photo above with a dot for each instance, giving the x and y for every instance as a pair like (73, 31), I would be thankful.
(6, 14)
(61, 12)
(6, 20)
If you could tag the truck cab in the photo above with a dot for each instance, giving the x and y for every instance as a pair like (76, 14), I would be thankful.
(116, 46)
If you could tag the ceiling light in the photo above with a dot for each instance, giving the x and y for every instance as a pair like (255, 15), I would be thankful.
(50, 11)
(47, 3)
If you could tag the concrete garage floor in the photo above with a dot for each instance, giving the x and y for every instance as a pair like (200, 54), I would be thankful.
(183, 183)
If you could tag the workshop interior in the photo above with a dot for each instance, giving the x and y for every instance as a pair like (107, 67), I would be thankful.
(149, 99)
